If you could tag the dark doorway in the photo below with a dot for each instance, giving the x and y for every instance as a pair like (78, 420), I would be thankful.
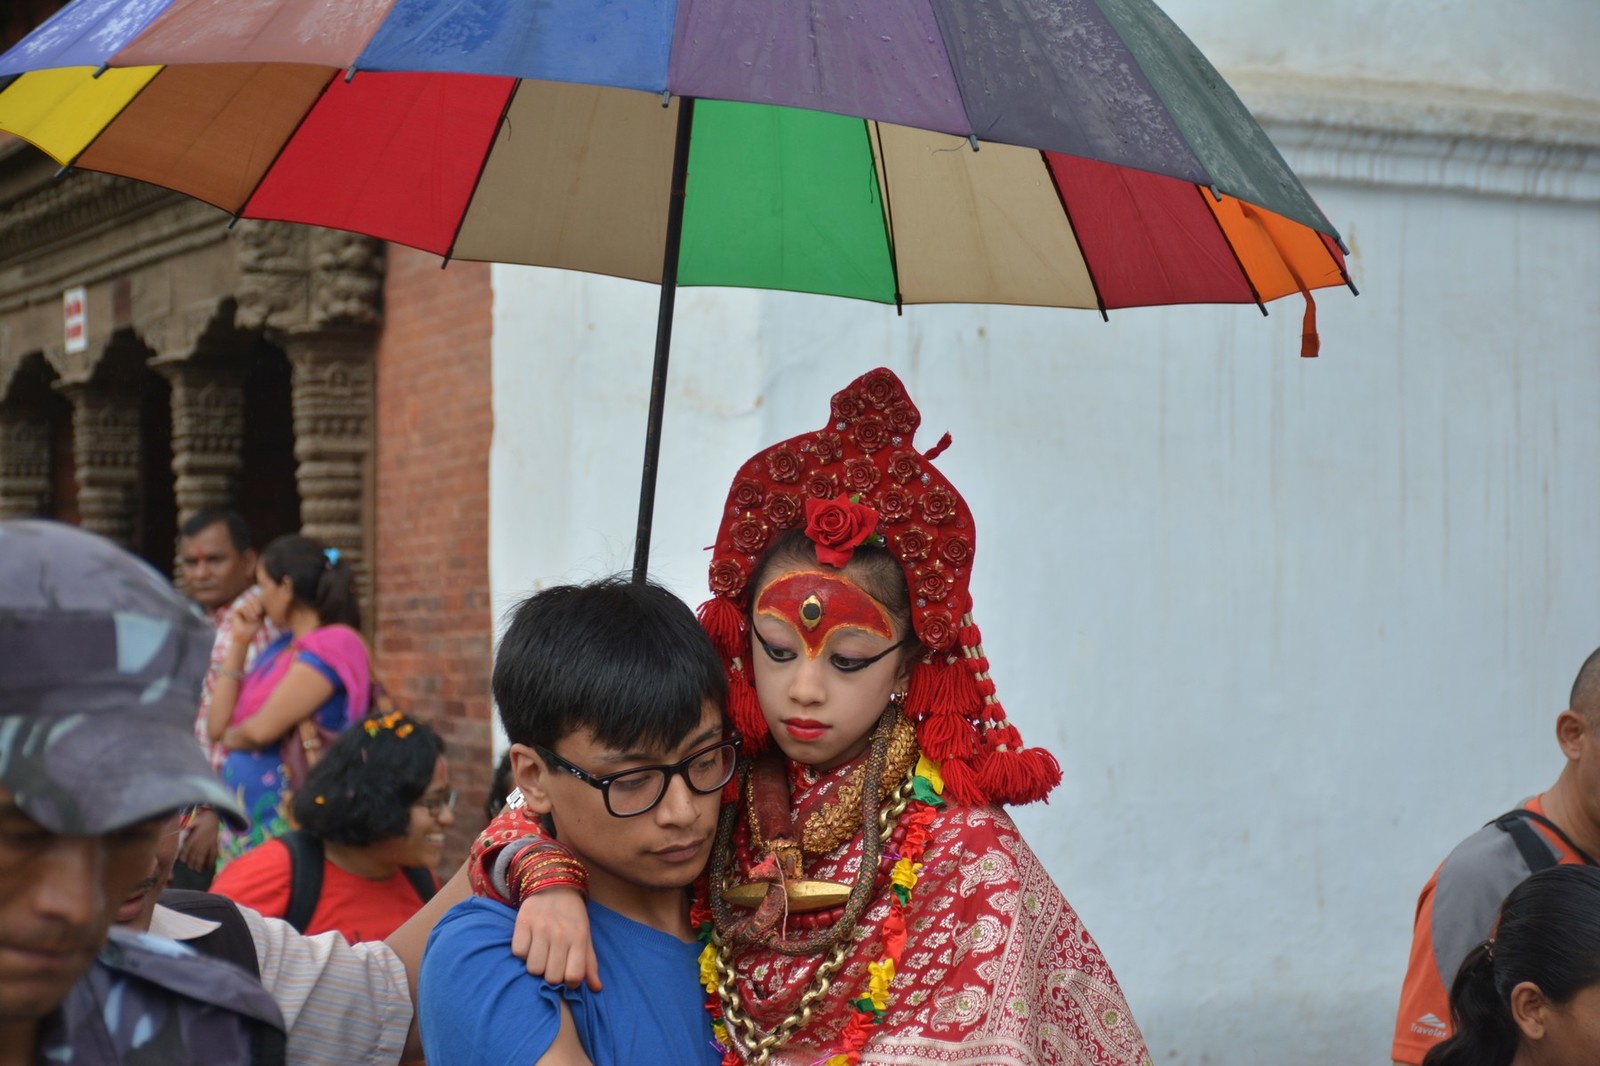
(269, 495)
(156, 529)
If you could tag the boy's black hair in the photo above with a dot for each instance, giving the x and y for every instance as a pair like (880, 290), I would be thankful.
(238, 529)
(627, 662)
(368, 781)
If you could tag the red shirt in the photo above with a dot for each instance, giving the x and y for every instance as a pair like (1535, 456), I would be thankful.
(358, 908)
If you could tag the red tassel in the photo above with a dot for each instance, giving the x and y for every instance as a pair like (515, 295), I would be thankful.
(745, 710)
(1013, 777)
(947, 735)
(961, 786)
(1310, 343)
(933, 688)
(970, 637)
(724, 624)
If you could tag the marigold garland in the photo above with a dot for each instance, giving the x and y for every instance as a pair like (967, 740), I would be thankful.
(869, 1009)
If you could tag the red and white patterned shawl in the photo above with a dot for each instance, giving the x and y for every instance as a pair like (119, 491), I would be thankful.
(997, 970)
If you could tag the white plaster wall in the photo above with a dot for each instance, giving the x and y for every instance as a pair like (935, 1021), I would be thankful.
(1292, 627)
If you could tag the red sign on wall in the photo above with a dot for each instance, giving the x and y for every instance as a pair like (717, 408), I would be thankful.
(75, 316)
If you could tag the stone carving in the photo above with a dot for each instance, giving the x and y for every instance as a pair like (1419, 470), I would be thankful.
(24, 462)
(207, 433)
(332, 435)
(106, 446)
(297, 277)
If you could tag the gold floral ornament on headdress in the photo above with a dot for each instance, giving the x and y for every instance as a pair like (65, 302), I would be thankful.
(860, 481)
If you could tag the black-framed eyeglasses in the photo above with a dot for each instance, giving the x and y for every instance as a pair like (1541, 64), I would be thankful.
(437, 805)
(633, 792)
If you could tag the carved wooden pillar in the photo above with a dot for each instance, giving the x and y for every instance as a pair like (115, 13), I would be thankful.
(106, 447)
(24, 462)
(207, 433)
(333, 436)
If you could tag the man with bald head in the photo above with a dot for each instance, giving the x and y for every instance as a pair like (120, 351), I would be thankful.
(1459, 903)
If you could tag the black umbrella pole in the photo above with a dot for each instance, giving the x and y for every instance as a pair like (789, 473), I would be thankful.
(658, 373)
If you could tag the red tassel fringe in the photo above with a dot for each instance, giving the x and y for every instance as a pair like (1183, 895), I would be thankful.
(961, 785)
(1019, 776)
(724, 624)
(745, 710)
(945, 735)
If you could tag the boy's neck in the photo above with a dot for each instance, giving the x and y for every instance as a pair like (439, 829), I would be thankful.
(666, 909)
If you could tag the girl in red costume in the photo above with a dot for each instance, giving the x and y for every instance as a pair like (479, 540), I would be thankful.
(868, 900)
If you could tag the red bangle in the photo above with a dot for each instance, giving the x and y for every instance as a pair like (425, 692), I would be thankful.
(543, 865)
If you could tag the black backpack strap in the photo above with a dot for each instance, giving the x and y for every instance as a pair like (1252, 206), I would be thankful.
(1536, 851)
(305, 877)
(421, 879)
(230, 940)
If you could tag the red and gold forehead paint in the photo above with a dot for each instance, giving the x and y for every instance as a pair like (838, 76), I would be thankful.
(817, 603)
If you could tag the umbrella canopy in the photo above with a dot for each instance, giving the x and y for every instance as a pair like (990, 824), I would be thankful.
(1116, 167)
(1070, 153)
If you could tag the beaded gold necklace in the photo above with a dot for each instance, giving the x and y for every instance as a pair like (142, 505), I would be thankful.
(913, 806)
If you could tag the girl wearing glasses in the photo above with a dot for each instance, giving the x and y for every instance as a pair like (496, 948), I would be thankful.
(868, 899)
(372, 816)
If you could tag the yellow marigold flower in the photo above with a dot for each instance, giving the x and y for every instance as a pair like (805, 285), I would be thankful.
(926, 767)
(708, 968)
(878, 991)
(904, 874)
(837, 1060)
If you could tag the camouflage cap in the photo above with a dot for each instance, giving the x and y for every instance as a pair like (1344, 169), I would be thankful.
(101, 664)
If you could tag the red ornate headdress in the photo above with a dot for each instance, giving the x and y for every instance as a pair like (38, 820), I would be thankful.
(856, 480)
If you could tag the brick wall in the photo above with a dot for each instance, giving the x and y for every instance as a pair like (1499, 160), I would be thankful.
(434, 635)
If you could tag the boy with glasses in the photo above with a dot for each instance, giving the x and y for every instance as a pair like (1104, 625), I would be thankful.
(613, 698)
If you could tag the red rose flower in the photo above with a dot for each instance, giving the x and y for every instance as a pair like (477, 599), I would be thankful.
(956, 551)
(827, 447)
(871, 433)
(784, 465)
(749, 534)
(903, 468)
(902, 418)
(847, 406)
(822, 486)
(860, 475)
(727, 577)
(747, 494)
(782, 510)
(936, 629)
(880, 390)
(837, 527)
(932, 582)
(912, 545)
(893, 504)
(938, 505)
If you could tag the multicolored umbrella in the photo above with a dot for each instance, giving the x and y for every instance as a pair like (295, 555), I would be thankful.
(1068, 153)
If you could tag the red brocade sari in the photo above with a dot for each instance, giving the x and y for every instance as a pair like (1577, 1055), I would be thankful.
(997, 969)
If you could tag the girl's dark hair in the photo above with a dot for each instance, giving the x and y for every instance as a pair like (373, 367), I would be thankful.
(873, 568)
(362, 790)
(318, 575)
(1549, 934)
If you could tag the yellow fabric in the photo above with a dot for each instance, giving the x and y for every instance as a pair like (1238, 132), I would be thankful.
(62, 111)
(977, 227)
(578, 178)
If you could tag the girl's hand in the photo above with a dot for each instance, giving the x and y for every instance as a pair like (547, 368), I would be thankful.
(246, 621)
(552, 935)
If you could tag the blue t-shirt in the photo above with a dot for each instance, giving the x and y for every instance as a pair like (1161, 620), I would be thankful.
(479, 1005)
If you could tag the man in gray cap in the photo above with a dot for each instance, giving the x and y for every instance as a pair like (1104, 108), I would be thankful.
(100, 662)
